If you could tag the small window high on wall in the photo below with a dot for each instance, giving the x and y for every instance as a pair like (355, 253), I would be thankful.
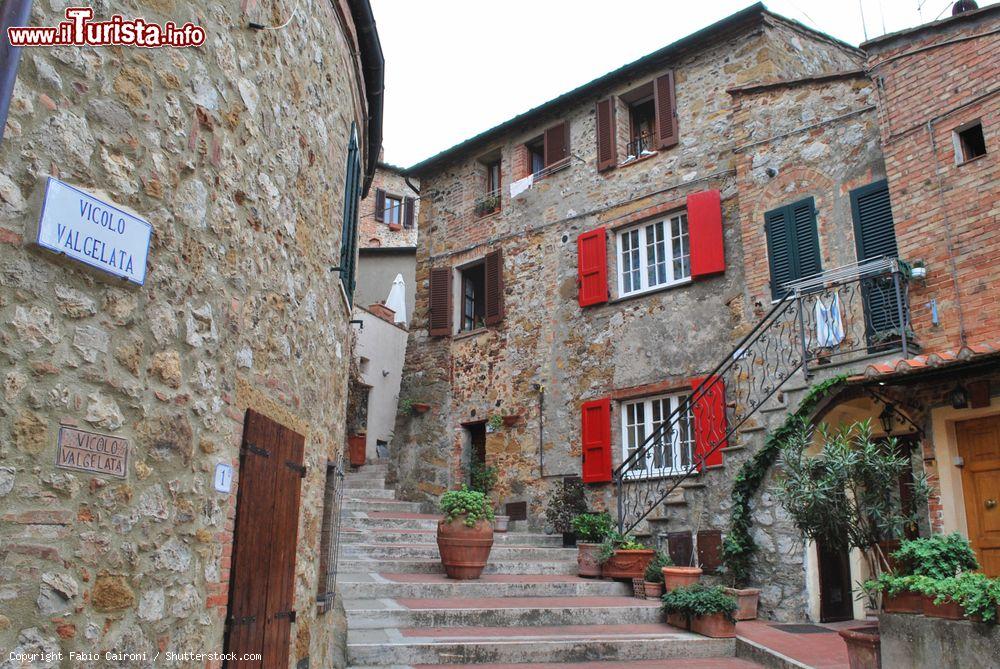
(970, 143)
(473, 297)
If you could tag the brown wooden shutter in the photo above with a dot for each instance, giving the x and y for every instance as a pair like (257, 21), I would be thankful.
(494, 287)
(440, 302)
(710, 550)
(556, 143)
(408, 212)
(680, 546)
(607, 152)
(666, 111)
(379, 205)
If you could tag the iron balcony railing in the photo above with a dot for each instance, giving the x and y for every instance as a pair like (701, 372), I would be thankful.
(639, 146)
(839, 316)
(488, 203)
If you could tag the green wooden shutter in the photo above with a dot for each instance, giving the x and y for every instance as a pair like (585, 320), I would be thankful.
(792, 243)
(875, 237)
(349, 229)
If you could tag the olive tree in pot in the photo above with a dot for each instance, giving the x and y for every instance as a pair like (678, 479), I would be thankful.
(591, 530)
(566, 503)
(465, 534)
(843, 496)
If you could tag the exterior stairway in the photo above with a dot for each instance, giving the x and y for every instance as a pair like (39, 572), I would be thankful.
(529, 609)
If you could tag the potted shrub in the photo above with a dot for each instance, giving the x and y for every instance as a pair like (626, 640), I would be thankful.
(591, 530)
(898, 593)
(465, 534)
(941, 556)
(746, 602)
(654, 575)
(565, 503)
(622, 557)
(708, 610)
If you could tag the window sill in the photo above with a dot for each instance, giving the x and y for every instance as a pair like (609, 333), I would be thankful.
(469, 334)
(663, 476)
(971, 160)
(650, 291)
(490, 214)
(639, 159)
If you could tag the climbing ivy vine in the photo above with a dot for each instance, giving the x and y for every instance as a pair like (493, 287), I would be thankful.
(739, 547)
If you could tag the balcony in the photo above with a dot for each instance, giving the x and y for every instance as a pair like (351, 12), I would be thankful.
(487, 204)
(639, 147)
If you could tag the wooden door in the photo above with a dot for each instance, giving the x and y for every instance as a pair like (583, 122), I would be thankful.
(261, 591)
(835, 601)
(979, 446)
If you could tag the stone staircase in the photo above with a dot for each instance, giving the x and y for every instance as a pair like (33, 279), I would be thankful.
(529, 609)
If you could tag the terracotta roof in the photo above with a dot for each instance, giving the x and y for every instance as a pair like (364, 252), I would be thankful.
(935, 360)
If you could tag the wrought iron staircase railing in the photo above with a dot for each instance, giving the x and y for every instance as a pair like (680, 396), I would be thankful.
(842, 315)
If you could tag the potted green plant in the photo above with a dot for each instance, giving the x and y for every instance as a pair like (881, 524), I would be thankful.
(708, 610)
(654, 575)
(565, 503)
(591, 529)
(622, 557)
(465, 534)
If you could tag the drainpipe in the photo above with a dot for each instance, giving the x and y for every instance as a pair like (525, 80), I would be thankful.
(373, 67)
(12, 13)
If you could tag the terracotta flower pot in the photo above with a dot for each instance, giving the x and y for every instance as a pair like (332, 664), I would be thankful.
(420, 407)
(678, 620)
(903, 602)
(864, 647)
(676, 577)
(628, 564)
(356, 449)
(654, 590)
(747, 599)
(947, 609)
(586, 560)
(464, 550)
(500, 523)
(716, 626)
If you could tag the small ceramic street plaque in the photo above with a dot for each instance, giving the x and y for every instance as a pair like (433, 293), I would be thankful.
(92, 452)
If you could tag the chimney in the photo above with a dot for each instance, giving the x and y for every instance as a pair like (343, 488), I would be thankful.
(963, 6)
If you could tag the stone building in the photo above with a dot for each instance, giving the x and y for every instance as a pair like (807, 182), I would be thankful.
(141, 509)
(584, 267)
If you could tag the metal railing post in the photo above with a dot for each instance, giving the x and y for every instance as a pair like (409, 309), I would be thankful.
(899, 313)
(619, 490)
(802, 335)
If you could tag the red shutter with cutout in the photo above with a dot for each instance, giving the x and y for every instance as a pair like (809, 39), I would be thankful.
(439, 320)
(665, 103)
(592, 267)
(710, 429)
(494, 287)
(607, 152)
(596, 437)
(704, 212)
(379, 205)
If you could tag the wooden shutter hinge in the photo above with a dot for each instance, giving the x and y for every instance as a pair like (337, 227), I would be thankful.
(245, 620)
(286, 614)
(256, 450)
(301, 469)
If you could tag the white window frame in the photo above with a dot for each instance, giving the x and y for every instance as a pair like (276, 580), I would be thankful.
(393, 212)
(667, 405)
(676, 247)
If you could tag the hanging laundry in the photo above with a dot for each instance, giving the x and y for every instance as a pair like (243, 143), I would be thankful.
(521, 185)
(829, 326)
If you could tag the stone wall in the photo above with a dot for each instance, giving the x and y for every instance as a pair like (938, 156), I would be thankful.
(922, 642)
(235, 152)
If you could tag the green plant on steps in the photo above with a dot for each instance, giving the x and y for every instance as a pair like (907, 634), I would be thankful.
(471, 504)
(940, 556)
(699, 600)
(565, 503)
(483, 478)
(739, 547)
(654, 572)
(592, 528)
(618, 542)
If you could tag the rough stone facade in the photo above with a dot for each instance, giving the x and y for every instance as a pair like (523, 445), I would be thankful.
(549, 355)
(236, 154)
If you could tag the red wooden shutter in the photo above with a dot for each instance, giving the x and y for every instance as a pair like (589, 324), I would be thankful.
(440, 302)
(379, 205)
(556, 143)
(592, 267)
(607, 152)
(596, 437)
(494, 287)
(407, 212)
(704, 212)
(709, 411)
(666, 111)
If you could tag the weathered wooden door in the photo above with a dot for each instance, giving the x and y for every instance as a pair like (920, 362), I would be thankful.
(979, 446)
(261, 589)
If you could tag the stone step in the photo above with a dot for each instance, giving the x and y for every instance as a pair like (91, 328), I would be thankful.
(499, 553)
(433, 566)
(387, 520)
(422, 586)
(499, 612)
(369, 493)
(548, 644)
(367, 505)
(429, 536)
(692, 663)
(372, 483)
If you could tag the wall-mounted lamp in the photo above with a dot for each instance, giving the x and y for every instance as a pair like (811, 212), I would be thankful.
(887, 418)
(959, 397)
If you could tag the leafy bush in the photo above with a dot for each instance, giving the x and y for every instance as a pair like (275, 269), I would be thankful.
(977, 594)
(618, 542)
(592, 528)
(483, 478)
(469, 503)
(939, 556)
(654, 573)
(699, 600)
(565, 503)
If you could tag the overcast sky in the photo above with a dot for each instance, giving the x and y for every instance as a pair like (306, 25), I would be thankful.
(457, 67)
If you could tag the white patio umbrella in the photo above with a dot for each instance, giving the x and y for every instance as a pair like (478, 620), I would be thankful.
(397, 299)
